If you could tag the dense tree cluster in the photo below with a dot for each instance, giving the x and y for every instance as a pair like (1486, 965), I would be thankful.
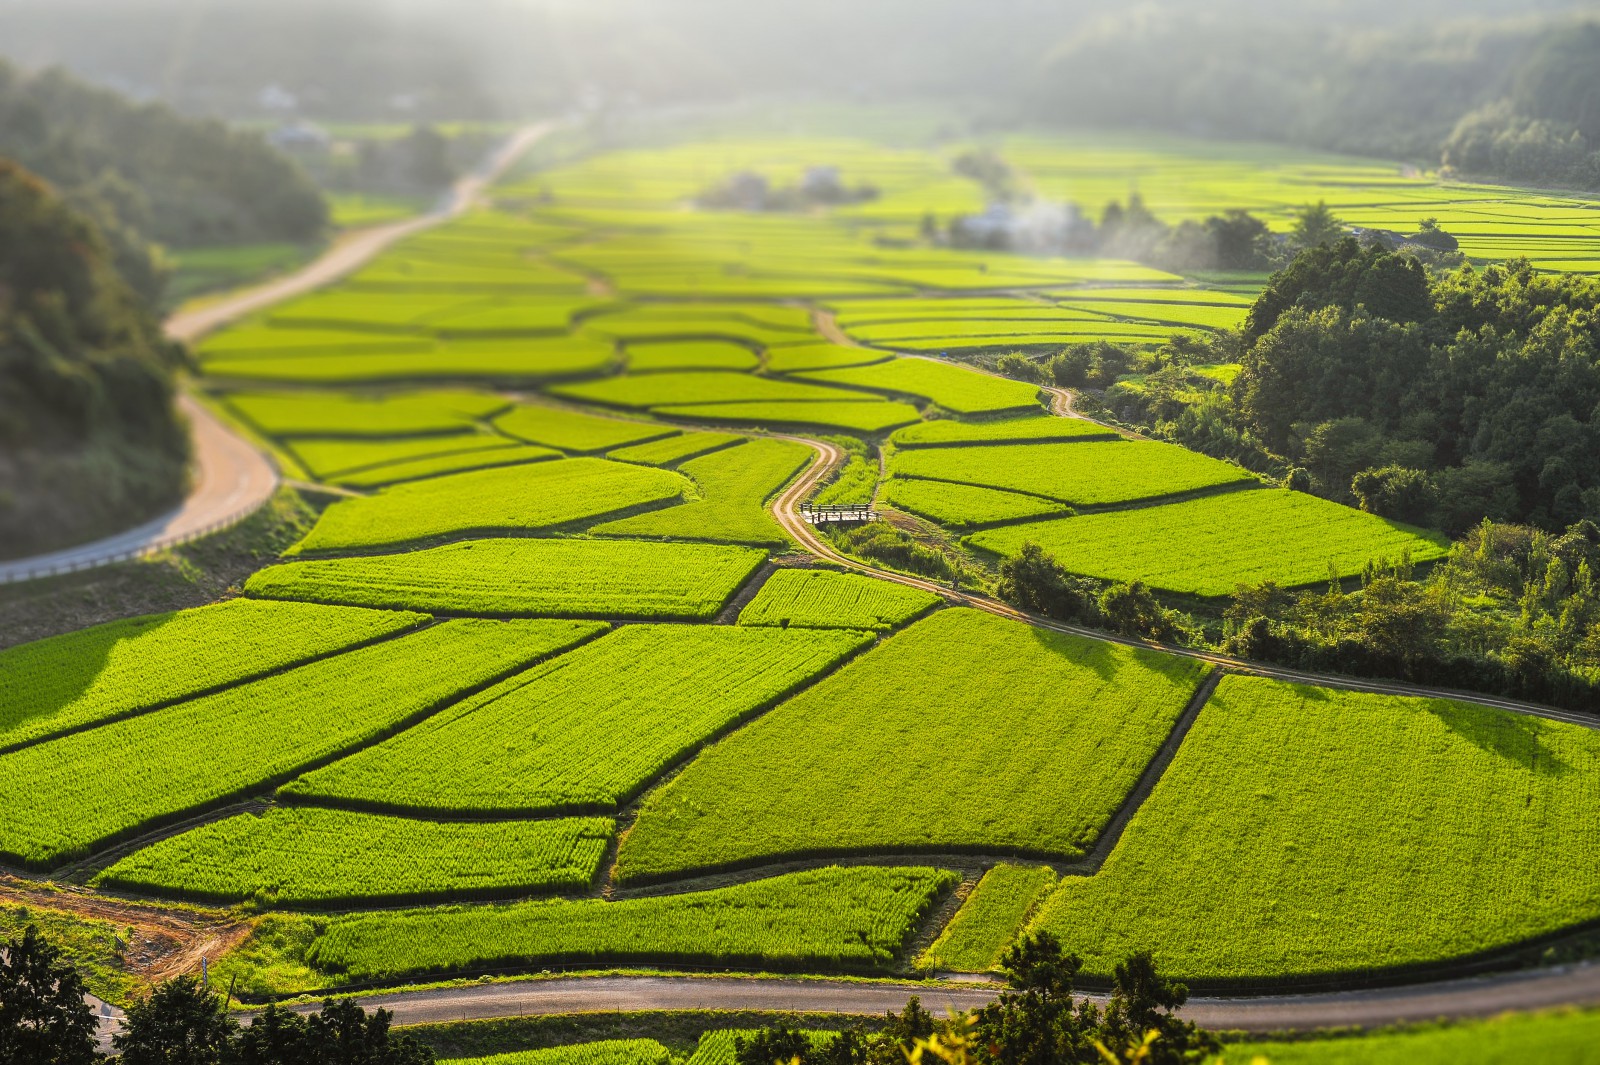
(1038, 1020)
(1514, 610)
(146, 174)
(1472, 394)
(45, 1020)
(89, 437)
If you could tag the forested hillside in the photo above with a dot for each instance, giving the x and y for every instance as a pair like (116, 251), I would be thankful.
(145, 174)
(89, 439)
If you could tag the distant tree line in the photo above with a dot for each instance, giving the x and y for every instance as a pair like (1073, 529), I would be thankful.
(149, 176)
(1513, 99)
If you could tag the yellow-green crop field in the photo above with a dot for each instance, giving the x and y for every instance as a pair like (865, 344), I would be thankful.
(547, 654)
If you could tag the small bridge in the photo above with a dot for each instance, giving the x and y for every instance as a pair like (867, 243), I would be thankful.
(846, 512)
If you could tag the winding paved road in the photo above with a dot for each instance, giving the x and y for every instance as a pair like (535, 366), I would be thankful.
(232, 480)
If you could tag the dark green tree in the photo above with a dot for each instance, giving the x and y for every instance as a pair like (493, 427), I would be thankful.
(44, 1019)
(1315, 225)
(179, 1023)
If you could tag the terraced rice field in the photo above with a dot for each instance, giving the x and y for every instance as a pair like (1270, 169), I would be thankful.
(823, 599)
(585, 731)
(858, 764)
(1303, 830)
(956, 505)
(486, 501)
(952, 387)
(99, 674)
(734, 485)
(311, 857)
(1038, 429)
(603, 1052)
(314, 413)
(1089, 473)
(840, 918)
(991, 918)
(1212, 545)
(527, 577)
(336, 747)
(60, 798)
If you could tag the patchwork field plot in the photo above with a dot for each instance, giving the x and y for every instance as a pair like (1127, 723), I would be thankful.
(816, 598)
(1092, 472)
(1210, 546)
(1303, 831)
(527, 577)
(587, 730)
(604, 1052)
(991, 917)
(700, 388)
(862, 761)
(832, 918)
(869, 416)
(80, 678)
(673, 449)
(522, 361)
(327, 458)
(735, 484)
(689, 355)
(953, 387)
(299, 857)
(794, 357)
(1562, 1035)
(437, 465)
(269, 341)
(514, 497)
(572, 430)
(61, 798)
(1040, 429)
(346, 414)
(964, 504)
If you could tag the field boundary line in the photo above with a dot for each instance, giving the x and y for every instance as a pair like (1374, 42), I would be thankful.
(1153, 771)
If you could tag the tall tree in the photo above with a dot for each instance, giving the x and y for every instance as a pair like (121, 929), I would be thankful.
(44, 1019)
(1315, 225)
(179, 1023)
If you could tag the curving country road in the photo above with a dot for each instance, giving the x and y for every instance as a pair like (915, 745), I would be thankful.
(232, 480)
(1478, 997)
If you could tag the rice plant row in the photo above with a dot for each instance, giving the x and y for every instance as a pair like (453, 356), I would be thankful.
(80, 678)
(858, 918)
(575, 431)
(293, 856)
(585, 731)
(527, 577)
(914, 747)
(824, 599)
(62, 798)
(674, 449)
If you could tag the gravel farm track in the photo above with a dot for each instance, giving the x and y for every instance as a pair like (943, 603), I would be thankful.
(219, 450)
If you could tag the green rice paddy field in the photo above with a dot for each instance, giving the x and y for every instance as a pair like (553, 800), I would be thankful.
(547, 638)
